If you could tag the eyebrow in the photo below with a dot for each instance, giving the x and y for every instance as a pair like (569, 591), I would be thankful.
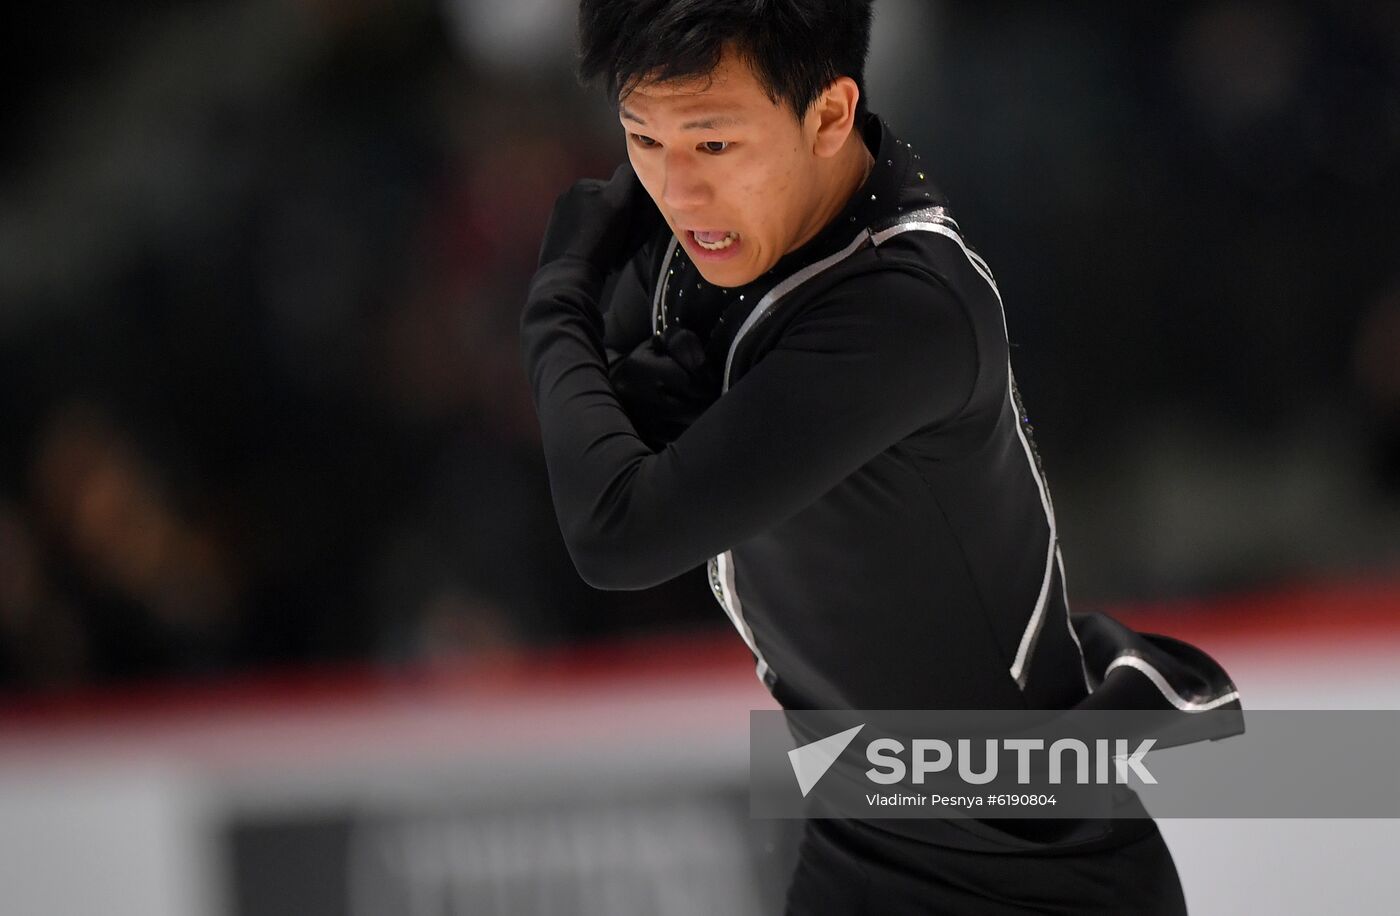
(710, 123)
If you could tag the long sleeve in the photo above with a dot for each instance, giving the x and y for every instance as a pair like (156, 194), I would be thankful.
(627, 304)
(876, 358)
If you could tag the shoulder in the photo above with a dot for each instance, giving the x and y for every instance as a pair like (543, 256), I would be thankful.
(900, 320)
(882, 298)
(932, 244)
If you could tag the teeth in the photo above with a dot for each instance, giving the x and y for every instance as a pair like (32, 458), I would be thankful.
(716, 246)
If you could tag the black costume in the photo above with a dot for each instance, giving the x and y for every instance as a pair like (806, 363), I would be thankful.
(842, 443)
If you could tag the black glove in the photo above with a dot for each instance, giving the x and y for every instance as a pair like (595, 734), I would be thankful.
(665, 384)
(601, 222)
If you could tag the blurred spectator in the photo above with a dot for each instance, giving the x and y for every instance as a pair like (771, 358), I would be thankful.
(153, 588)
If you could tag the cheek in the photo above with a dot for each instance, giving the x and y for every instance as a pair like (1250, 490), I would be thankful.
(750, 183)
(767, 198)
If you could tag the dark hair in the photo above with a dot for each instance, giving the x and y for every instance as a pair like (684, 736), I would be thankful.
(796, 47)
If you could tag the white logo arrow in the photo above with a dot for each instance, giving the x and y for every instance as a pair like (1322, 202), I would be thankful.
(811, 761)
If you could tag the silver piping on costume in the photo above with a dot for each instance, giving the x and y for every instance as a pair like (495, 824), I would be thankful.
(663, 281)
(1160, 682)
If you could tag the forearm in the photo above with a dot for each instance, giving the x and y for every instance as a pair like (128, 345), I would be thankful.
(615, 532)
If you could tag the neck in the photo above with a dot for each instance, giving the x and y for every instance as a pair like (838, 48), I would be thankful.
(846, 172)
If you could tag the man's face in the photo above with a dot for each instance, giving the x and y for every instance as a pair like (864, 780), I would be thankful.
(730, 170)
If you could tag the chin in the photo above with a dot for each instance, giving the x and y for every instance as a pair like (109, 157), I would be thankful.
(725, 277)
(729, 275)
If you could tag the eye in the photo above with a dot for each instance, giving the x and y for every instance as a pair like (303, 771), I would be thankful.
(715, 146)
(643, 141)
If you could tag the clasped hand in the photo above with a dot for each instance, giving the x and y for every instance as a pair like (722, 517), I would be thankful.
(601, 222)
(665, 381)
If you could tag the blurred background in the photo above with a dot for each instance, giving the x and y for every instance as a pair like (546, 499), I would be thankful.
(266, 434)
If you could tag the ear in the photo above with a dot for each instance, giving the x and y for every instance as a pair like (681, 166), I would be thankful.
(833, 116)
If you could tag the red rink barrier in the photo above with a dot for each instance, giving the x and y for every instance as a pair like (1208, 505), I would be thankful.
(1281, 620)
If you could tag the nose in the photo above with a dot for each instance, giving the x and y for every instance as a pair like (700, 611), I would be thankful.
(683, 186)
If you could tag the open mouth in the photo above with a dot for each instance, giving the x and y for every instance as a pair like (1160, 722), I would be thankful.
(714, 241)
